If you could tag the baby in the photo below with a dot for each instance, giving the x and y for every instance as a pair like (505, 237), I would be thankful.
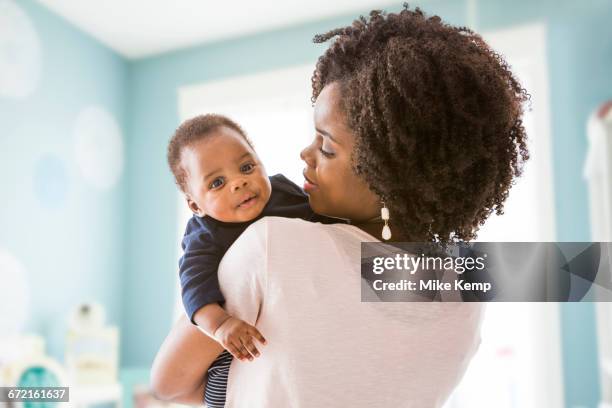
(227, 189)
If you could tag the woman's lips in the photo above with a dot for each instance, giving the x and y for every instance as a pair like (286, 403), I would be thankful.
(308, 185)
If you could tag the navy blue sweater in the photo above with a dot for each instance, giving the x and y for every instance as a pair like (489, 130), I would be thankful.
(206, 240)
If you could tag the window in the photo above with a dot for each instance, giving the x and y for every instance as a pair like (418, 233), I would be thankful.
(518, 363)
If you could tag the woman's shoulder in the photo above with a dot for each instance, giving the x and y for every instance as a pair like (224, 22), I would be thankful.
(273, 243)
(296, 228)
(288, 237)
(272, 229)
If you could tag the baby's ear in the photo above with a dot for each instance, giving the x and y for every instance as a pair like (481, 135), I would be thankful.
(194, 207)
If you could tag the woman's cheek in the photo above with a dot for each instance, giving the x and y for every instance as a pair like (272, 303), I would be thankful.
(327, 172)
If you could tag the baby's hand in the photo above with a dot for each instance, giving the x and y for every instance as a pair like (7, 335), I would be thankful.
(236, 336)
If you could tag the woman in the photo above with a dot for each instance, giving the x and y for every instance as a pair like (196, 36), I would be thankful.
(412, 114)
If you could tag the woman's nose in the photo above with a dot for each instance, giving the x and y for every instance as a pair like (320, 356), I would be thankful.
(306, 155)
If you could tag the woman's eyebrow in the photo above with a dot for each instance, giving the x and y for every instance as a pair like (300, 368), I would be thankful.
(327, 134)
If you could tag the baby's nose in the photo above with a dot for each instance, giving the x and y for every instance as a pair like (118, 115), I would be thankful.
(239, 184)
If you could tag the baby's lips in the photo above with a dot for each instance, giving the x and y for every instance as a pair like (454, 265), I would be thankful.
(245, 198)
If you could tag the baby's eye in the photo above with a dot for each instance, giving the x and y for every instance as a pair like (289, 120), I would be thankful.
(216, 183)
(247, 168)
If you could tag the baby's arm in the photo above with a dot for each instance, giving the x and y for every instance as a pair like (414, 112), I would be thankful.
(235, 335)
(202, 295)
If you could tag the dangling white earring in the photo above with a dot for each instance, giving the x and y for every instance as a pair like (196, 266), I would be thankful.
(384, 214)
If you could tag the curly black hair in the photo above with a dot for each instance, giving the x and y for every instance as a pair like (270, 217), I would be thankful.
(191, 131)
(437, 119)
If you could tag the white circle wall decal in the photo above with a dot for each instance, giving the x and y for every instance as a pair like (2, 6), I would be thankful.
(14, 295)
(99, 147)
(20, 52)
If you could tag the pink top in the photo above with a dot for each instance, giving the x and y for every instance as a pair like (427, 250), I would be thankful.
(300, 284)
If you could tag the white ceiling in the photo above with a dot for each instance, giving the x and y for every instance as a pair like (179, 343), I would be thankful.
(139, 28)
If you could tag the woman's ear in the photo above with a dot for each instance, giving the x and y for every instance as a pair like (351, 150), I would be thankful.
(194, 207)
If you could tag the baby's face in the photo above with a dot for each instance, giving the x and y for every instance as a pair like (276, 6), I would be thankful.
(225, 179)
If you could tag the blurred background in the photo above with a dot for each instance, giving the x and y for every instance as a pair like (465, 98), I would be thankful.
(91, 221)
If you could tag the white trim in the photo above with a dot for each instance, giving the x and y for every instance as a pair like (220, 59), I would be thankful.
(472, 14)
(533, 59)
(547, 334)
(547, 347)
(534, 329)
(598, 173)
(288, 85)
(182, 215)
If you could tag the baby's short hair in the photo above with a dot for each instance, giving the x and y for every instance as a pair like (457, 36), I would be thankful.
(191, 131)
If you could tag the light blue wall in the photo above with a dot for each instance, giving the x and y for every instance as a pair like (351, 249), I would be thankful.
(56, 224)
